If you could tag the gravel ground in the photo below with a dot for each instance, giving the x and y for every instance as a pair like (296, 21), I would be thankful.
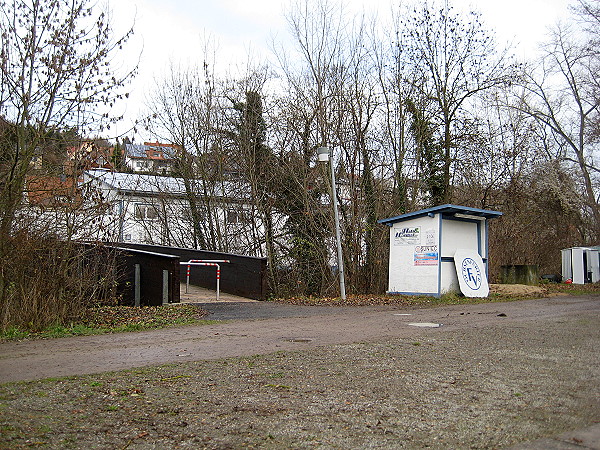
(481, 387)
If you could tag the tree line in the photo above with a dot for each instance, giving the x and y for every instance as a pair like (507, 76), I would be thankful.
(422, 109)
(425, 110)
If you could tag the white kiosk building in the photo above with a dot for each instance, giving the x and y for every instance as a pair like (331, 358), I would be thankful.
(424, 246)
(581, 264)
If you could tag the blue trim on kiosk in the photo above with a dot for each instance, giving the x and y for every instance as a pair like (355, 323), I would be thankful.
(447, 210)
(451, 259)
(440, 222)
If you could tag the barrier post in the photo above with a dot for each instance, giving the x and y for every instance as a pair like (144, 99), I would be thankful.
(165, 296)
(218, 279)
(187, 282)
(137, 288)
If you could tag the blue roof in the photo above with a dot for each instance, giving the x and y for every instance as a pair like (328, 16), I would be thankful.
(450, 210)
(139, 150)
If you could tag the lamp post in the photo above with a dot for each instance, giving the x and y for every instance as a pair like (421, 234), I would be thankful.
(325, 155)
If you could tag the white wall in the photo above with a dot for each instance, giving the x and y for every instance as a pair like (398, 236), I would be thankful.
(567, 267)
(458, 234)
(413, 244)
(417, 247)
(573, 264)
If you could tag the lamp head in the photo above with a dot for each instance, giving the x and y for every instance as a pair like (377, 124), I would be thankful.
(323, 153)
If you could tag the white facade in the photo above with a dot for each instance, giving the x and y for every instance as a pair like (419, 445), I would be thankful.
(423, 245)
(581, 264)
(149, 157)
(152, 209)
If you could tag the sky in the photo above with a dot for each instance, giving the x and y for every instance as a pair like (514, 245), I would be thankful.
(174, 31)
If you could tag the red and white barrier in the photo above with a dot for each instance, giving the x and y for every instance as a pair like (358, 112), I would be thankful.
(205, 262)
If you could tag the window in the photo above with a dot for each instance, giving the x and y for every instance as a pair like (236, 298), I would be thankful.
(145, 212)
(201, 213)
(238, 216)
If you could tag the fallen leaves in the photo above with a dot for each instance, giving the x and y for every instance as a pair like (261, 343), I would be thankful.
(360, 300)
(147, 316)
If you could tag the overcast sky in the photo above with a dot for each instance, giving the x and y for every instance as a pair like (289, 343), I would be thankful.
(174, 30)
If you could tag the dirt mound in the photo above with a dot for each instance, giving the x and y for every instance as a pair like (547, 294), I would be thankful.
(516, 289)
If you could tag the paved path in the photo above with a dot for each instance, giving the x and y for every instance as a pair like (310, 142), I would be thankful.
(196, 294)
(293, 327)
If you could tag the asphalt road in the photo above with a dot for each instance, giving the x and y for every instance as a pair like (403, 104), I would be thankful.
(267, 310)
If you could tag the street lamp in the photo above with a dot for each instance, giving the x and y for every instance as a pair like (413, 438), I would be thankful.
(325, 155)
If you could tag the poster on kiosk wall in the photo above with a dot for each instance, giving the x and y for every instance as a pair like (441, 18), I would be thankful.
(470, 270)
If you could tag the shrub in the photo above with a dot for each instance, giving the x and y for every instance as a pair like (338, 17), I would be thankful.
(45, 281)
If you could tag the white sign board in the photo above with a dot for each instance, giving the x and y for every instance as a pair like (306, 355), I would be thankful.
(407, 235)
(431, 237)
(471, 273)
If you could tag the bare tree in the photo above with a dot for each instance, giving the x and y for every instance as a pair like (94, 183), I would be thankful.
(500, 147)
(316, 28)
(357, 102)
(186, 109)
(589, 12)
(56, 78)
(55, 74)
(562, 95)
(458, 59)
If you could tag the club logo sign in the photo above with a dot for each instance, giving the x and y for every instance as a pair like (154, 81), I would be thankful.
(471, 273)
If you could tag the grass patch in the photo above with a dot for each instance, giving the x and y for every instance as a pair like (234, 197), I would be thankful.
(57, 331)
(115, 319)
(14, 334)
(446, 299)
(395, 300)
(572, 289)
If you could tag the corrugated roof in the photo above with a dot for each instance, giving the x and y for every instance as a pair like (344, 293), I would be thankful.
(450, 210)
(135, 150)
(132, 182)
(139, 184)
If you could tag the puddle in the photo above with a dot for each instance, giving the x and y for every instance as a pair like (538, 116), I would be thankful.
(400, 314)
(300, 340)
(425, 324)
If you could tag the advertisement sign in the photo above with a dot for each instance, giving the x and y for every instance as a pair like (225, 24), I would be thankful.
(426, 255)
(471, 273)
(431, 237)
(407, 235)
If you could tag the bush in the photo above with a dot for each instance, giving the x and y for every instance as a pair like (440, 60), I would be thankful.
(46, 281)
